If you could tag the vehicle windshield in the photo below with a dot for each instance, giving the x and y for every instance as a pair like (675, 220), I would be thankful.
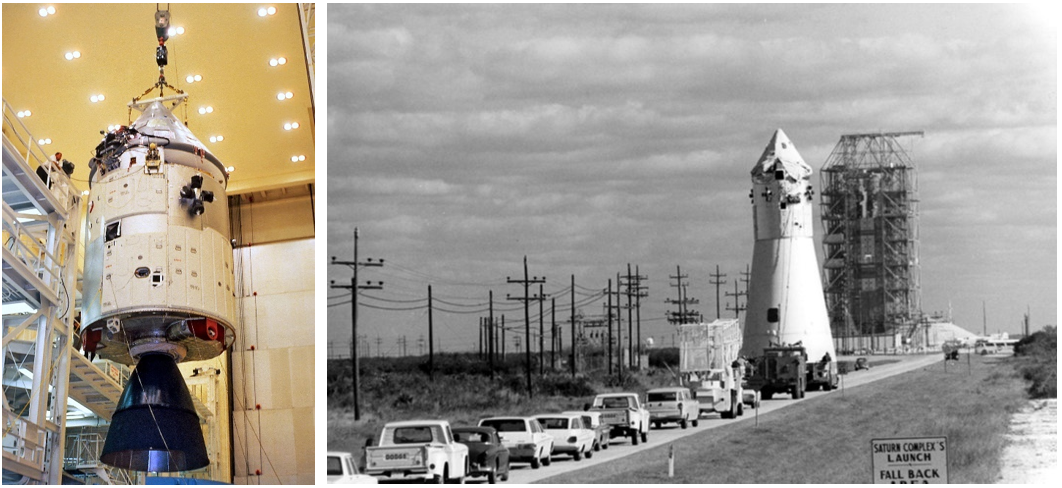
(665, 396)
(615, 402)
(335, 466)
(505, 425)
(472, 436)
(554, 423)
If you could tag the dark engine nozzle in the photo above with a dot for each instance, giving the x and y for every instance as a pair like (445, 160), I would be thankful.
(155, 426)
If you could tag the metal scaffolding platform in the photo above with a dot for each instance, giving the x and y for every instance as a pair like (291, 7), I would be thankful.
(870, 218)
(40, 235)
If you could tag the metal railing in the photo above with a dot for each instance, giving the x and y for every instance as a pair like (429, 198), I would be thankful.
(32, 152)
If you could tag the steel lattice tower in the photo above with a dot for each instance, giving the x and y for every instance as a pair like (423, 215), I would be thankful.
(870, 221)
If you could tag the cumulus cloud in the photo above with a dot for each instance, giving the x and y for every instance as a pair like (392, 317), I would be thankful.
(589, 136)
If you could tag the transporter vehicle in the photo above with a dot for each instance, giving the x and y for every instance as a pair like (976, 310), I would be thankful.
(525, 438)
(624, 414)
(570, 436)
(823, 374)
(782, 369)
(417, 449)
(342, 470)
(486, 453)
(861, 363)
(709, 357)
(592, 421)
(672, 404)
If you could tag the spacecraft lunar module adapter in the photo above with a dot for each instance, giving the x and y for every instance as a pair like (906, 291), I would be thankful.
(158, 281)
(786, 305)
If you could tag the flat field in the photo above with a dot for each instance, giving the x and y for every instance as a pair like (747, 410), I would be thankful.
(827, 439)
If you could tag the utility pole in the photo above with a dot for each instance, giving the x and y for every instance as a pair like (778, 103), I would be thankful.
(608, 313)
(717, 280)
(431, 339)
(738, 307)
(746, 278)
(354, 287)
(573, 327)
(490, 334)
(420, 345)
(684, 315)
(630, 319)
(379, 341)
(553, 334)
(503, 339)
(541, 332)
(639, 293)
(527, 318)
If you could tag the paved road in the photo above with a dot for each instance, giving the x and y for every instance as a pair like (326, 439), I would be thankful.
(620, 448)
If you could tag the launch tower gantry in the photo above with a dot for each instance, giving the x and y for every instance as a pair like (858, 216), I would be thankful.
(870, 220)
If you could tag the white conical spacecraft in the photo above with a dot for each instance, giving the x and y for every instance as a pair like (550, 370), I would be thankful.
(785, 301)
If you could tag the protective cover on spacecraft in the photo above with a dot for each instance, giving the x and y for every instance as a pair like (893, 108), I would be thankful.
(157, 255)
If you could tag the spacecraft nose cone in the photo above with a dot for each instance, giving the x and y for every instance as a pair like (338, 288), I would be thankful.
(780, 151)
(155, 426)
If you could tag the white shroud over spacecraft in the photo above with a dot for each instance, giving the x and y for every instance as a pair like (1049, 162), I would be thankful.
(785, 302)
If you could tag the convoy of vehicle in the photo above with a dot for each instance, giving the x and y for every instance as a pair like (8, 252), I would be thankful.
(430, 450)
(570, 436)
(486, 453)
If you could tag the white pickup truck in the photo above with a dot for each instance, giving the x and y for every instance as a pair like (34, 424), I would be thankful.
(417, 449)
(343, 471)
(625, 414)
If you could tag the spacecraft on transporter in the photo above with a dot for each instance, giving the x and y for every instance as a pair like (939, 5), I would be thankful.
(158, 278)
(786, 305)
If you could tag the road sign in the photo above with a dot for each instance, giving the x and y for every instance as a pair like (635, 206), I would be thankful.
(920, 460)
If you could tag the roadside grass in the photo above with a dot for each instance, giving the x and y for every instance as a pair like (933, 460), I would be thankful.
(827, 439)
(462, 393)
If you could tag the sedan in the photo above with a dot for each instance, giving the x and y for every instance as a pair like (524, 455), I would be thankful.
(486, 454)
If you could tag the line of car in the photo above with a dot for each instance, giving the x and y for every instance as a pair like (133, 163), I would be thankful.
(432, 450)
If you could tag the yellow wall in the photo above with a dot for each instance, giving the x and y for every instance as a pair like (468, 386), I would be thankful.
(273, 411)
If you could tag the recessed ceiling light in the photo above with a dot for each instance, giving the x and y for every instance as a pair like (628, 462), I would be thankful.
(294, 125)
(280, 96)
(298, 158)
(282, 60)
(206, 110)
(97, 98)
(271, 10)
(217, 138)
(198, 78)
(287, 126)
(230, 169)
(273, 62)
(24, 113)
(193, 78)
(84, 193)
(288, 94)
(221, 138)
(44, 141)
(46, 11)
(302, 158)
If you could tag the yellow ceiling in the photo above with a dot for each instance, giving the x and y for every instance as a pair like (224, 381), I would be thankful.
(229, 45)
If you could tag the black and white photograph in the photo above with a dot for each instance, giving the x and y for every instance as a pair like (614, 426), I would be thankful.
(691, 243)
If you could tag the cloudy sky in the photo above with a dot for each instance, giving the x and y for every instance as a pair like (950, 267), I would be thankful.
(586, 137)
